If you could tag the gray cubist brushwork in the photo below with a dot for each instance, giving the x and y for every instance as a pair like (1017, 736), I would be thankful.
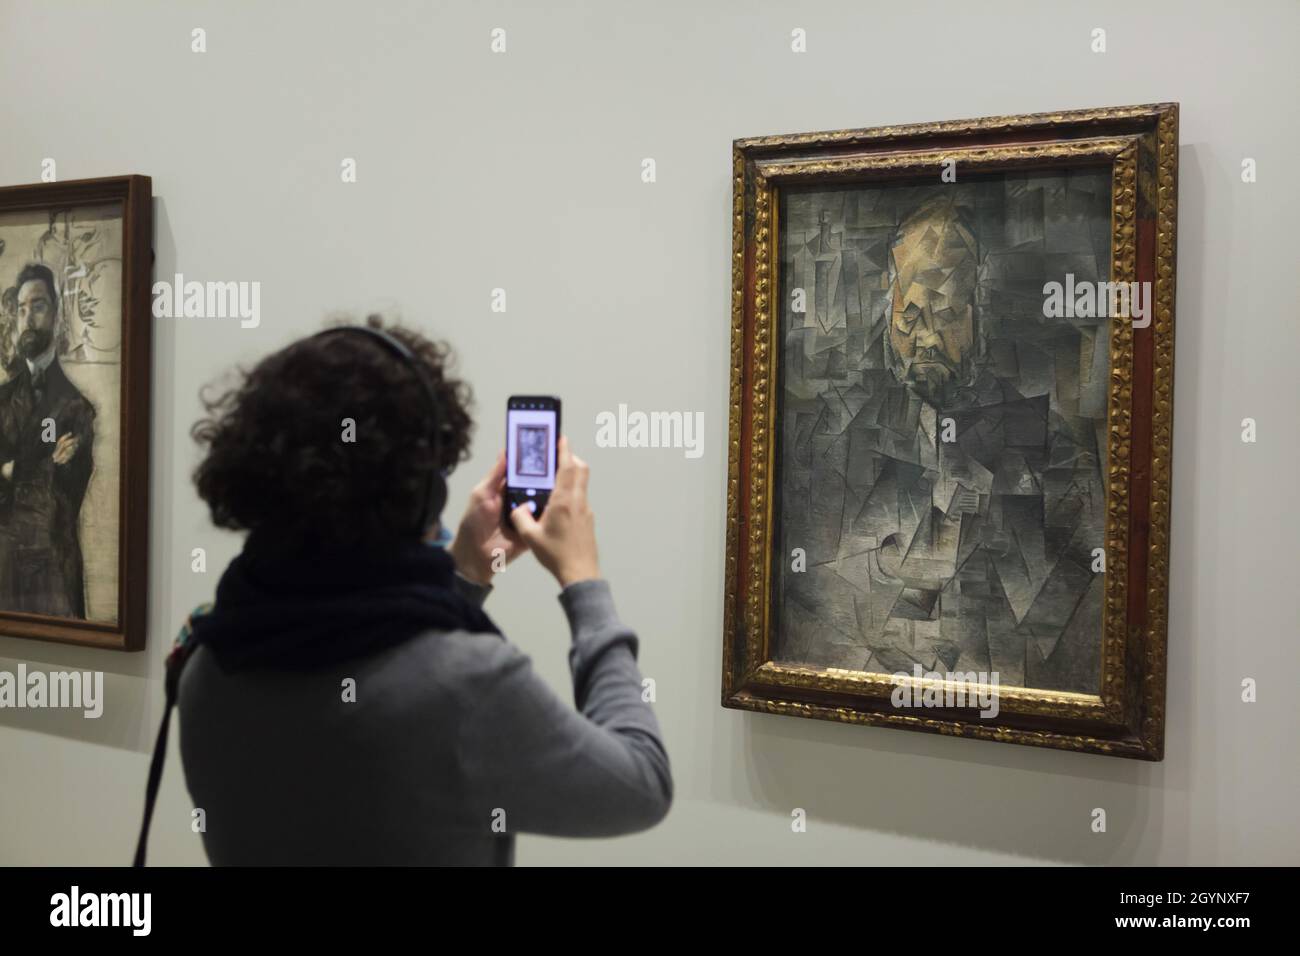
(942, 442)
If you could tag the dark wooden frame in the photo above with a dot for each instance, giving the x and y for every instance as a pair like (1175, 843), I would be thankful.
(1140, 146)
(135, 195)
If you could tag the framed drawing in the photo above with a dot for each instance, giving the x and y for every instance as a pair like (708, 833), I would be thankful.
(950, 426)
(75, 264)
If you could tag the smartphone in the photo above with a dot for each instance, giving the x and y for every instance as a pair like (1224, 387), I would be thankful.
(532, 451)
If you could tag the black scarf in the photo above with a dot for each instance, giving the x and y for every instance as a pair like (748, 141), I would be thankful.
(299, 608)
(302, 608)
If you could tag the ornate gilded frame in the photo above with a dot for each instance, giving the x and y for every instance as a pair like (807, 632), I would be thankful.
(1140, 145)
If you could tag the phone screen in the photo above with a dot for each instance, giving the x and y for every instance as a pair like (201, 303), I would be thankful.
(532, 431)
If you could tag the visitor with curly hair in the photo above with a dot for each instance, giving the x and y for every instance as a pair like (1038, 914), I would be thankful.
(346, 700)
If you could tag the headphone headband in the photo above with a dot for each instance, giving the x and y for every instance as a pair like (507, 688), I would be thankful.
(435, 493)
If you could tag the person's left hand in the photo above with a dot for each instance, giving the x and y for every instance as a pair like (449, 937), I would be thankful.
(66, 448)
(482, 545)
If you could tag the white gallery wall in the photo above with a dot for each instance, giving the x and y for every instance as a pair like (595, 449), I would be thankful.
(522, 171)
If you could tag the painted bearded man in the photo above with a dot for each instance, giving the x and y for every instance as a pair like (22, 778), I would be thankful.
(46, 433)
(990, 575)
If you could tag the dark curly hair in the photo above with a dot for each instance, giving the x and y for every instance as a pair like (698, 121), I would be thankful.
(276, 456)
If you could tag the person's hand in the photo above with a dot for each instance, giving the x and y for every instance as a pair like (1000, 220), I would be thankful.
(7, 470)
(481, 543)
(65, 448)
(565, 539)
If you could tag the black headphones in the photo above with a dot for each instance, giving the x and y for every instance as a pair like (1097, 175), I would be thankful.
(435, 493)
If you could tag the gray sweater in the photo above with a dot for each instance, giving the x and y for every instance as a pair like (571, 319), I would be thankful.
(453, 745)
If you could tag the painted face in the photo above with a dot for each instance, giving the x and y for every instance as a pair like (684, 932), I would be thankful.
(36, 315)
(932, 303)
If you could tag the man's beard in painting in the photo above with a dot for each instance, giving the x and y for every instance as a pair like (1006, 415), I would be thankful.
(935, 379)
(33, 342)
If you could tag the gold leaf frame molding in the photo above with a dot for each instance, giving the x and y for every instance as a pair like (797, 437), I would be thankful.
(1140, 146)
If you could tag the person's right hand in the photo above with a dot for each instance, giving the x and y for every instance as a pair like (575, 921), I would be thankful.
(565, 539)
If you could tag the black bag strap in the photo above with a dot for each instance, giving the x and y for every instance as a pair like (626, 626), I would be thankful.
(180, 653)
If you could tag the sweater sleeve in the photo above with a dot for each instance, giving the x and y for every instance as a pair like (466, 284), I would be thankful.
(599, 770)
(470, 590)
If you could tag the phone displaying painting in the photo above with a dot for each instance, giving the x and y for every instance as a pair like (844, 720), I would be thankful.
(951, 368)
(74, 400)
(534, 445)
